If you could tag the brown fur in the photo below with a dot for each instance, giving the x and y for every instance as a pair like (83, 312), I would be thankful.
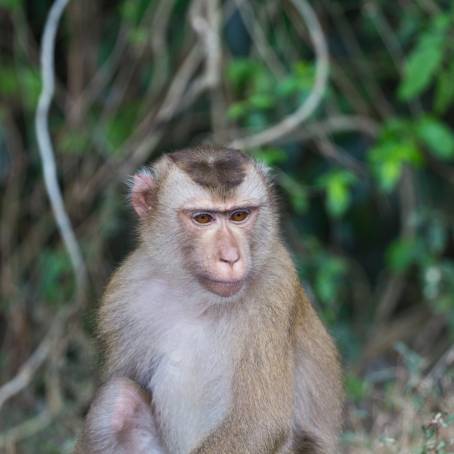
(286, 379)
(261, 419)
(215, 168)
(283, 333)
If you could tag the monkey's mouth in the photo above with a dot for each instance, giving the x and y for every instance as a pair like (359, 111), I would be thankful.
(222, 288)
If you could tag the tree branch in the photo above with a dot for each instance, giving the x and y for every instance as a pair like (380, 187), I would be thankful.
(290, 123)
(46, 150)
(39, 356)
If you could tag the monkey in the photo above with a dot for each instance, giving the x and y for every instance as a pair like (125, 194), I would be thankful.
(211, 345)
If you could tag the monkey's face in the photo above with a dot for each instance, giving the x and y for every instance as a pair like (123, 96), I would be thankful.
(209, 214)
(217, 248)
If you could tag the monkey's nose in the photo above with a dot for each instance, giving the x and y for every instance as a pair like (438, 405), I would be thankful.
(230, 256)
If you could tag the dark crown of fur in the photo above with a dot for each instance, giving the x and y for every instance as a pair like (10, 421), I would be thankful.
(212, 167)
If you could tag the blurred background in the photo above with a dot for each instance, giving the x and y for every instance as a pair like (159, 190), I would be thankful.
(351, 102)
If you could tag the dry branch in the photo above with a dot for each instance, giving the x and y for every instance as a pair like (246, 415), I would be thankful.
(290, 123)
(46, 150)
(29, 368)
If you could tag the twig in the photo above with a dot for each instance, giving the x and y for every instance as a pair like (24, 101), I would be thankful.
(291, 122)
(26, 372)
(255, 29)
(105, 73)
(29, 368)
(350, 89)
(54, 398)
(46, 150)
(445, 361)
(208, 30)
(328, 149)
(385, 336)
(186, 96)
(429, 6)
(38, 357)
(158, 41)
(214, 70)
(122, 80)
(151, 128)
(375, 92)
(392, 45)
(180, 94)
(386, 34)
(207, 25)
(11, 210)
(337, 124)
(27, 428)
(390, 295)
(179, 84)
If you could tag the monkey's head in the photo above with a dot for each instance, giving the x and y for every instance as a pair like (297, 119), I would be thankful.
(207, 213)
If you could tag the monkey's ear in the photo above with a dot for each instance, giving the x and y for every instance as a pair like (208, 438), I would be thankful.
(142, 186)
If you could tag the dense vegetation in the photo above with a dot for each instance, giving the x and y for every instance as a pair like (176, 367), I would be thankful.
(365, 183)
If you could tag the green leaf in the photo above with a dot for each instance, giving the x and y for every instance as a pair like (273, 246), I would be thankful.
(444, 89)
(337, 185)
(423, 62)
(356, 387)
(338, 198)
(296, 191)
(118, 128)
(389, 174)
(445, 304)
(74, 142)
(301, 79)
(237, 110)
(241, 70)
(129, 10)
(54, 268)
(8, 80)
(256, 121)
(10, 4)
(270, 156)
(21, 80)
(329, 278)
(302, 68)
(262, 81)
(388, 157)
(30, 82)
(395, 128)
(261, 101)
(437, 137)
(133, 10)
(304, 73)
(288, 86)
(138, 36)
(403, 253)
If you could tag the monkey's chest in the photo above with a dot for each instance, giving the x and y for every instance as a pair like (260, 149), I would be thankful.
(191, 385)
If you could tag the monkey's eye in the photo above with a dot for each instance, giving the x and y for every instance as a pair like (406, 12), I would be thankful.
(202, 218)
(239, 215)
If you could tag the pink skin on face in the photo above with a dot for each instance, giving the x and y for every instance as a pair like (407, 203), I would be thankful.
(221, 247)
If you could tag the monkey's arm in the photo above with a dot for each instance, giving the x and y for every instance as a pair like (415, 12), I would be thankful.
(318, 385)
(119, 421)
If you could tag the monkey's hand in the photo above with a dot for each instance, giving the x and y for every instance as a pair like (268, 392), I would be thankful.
(120, 420)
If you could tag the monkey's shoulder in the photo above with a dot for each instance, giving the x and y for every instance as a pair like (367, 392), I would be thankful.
(312, 337)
